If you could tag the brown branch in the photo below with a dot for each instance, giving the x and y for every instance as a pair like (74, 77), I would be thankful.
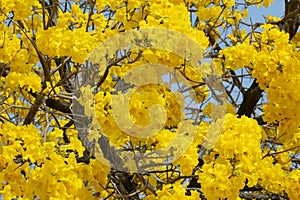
(292, 9)
(34, 109)
(250, 100)
(65, 75)
(92, 5)
(44, 14)
(290, 22)
(59, 104)
(52, 14)
(4, 69)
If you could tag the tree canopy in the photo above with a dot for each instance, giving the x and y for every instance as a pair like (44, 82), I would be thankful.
(149, 99)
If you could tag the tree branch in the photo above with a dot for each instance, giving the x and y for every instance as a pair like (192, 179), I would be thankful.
(250, 100)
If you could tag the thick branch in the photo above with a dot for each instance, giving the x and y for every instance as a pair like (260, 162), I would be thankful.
(59, 104)
(34, 109)
(4, 69)
(250, 100)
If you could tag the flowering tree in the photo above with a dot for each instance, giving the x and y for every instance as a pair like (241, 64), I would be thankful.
(141, 99)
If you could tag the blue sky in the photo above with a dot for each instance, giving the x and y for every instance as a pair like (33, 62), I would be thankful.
(275, 9)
